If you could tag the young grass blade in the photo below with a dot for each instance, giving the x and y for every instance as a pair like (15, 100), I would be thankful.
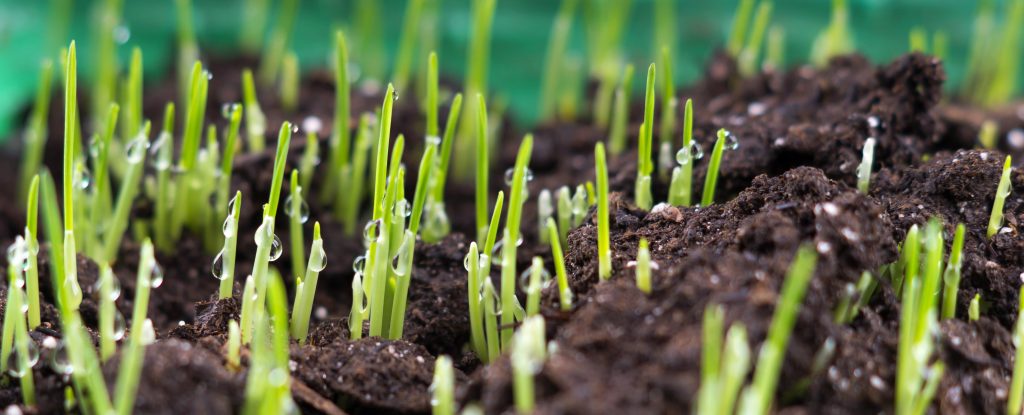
(476, 81)
(537, 275)
(951, 276)
(446, 147)
(255, 121)
(864, 170)
(340, 134)
(620, 117)
(1002, 191)
(974, 310)
(234, 345)
(407, 43)
(383, 143)
(72, 291)
(254, 14)
(135, 157)
(748, 58)
(668, 114)
(131, 100)
(527, 356)
(473, 289)
(643, 267)
(270, 64)
(739, 27)
(644, 165)
(564, 292)
(290, 82)
(141, 333)
(227, 161)
(681, 187)
(296, 217)
(604, 252)
(304, 298)
(517, 196)
(482, 168)
(757, 398)
(711, 180)
(442, 388)
(32, 252)
(988, 134)
(226, 274)
(422, 181)
(188, 50)
(557, 44)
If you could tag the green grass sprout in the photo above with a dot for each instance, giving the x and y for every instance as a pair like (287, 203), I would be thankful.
(995, 220)
(510, 308)
(135, 157)
(644, 164)
(340, 141)
(545, 209)
(297, 212)
(108, 292)
(478, 58)
(234, 345)
(538, 277)
(918, 319)
(992, 64)
(53, 229)
(668, 114)
(474, 288)
(268, 387)
(757, 397)
(104, 87)
(407, 43)
(987, 134)
(442, 387)
(681, 187)
(643, 267)
(70, 292)
(224, 263)
(558, 43)
(620, 116)
(164, 186)
(1013, 404)
(273, 54)
(306, 289)
(32, 253)
(187, 161)
(748, 57)
(36, 132)
(974, 310)
(864, 170)
(605, 24)
(482, 168)
(740, 23)
(529, 351)
(775, 49)
(711, 179)
(188, 49)
(437, 223)
(141, 333)
(835, 39)
(254, 14)
(564, 213)
(99, 202)
(951, 275)
(492, 309)
(227, 161)
(918, 39)
(290, 82)
(723, 371)
(255, 121)
(604, 253)
(564, 292)
(18, 349)
(131, 97)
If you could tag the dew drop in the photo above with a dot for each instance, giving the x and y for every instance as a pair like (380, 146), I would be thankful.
(95, 147)
(59, 360)
(121, 34)
(299, 210)
(312, 124)
(359, 264)
(433, 140)
(209, 76)
(524, 279)
(148, 334)
(511, 173)
(227, 109)
(465, 262)
(396, 94)
(18, 365)
(295, 129)
(275, 249)
(687, 154)
(119, 325)
(136, 149)
(402, 209)
(229, 226)
(318, 266)
(157, 278)
(115, 288)
(371, 231)
(218, 266)
(83, 178)
(731, 142)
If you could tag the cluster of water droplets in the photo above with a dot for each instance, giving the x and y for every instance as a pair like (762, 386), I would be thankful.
(18, 253)
(695, 151)
(163, 139)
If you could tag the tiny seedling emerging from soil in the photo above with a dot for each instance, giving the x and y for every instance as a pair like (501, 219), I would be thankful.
(643, 267)
(537, 278)
(604, 253)
(255, 121)
(722, 371)
(987, 134)
(528, 353)
(70, 293)
(620, 116)
(32, 253)
(680, 188)
(510, 308)
(864, 170)
(748, 57)
(273, 55)
(995, 220)
(711, 180)
(482, 168)
(442, 388)
(553, 62)
(951, 276)
(564, 292)
(974, 310)
(305, 289)
(668, 115)
(142, 333)
(224, 262)
(644, 164)
(835, 39)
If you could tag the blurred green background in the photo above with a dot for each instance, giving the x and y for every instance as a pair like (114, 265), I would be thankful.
(521, 31)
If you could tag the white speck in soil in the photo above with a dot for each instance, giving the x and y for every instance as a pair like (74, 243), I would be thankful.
(877, 382)
(824, 247)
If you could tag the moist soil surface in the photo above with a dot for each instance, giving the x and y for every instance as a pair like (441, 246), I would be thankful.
(618, 350)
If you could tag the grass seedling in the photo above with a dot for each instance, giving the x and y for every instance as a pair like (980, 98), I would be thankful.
(545, 209)
(53, 229)
(564, 292)
(306, 288)
(442, 388)
(740, 22)
(757, 397)
(482, 168)
(246, 316)
(70, 293)
(108, 17)
(16, 354)
(141, 333)
(974, 309)
(99, 202)
(135, 157)
(951, 276)
(711, 180)
(510, 308)
(565, 213)
(273, 55)
(36, 132)
(538, 277)
(620, 117)
(553, 62)
(290, 82)
(668, 114)
(190, 148)
(407, 43)
(835, 39)
(1013, 404)
(681, 188)
(643, 267)
(255, 121)
(224, 262)
(864, 170)
(644, 164)
(991, 75)
(437, 224)
(775, 50)
(492, 308)
(478, 264)
(254, 14)
(108, 293)
(234, 346)
(605, 23)
(188, 49)
(995, 220)
(227, 161)
(297, 212)
(32, 252)
(478, 58)
(528, 353)
(987, 134)
(131, 97)
(604, 252)
(162, 205)
(268, 387)
(722, 371)
(863, 291)
(340, 139)
(918, 319)
(748, 57)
